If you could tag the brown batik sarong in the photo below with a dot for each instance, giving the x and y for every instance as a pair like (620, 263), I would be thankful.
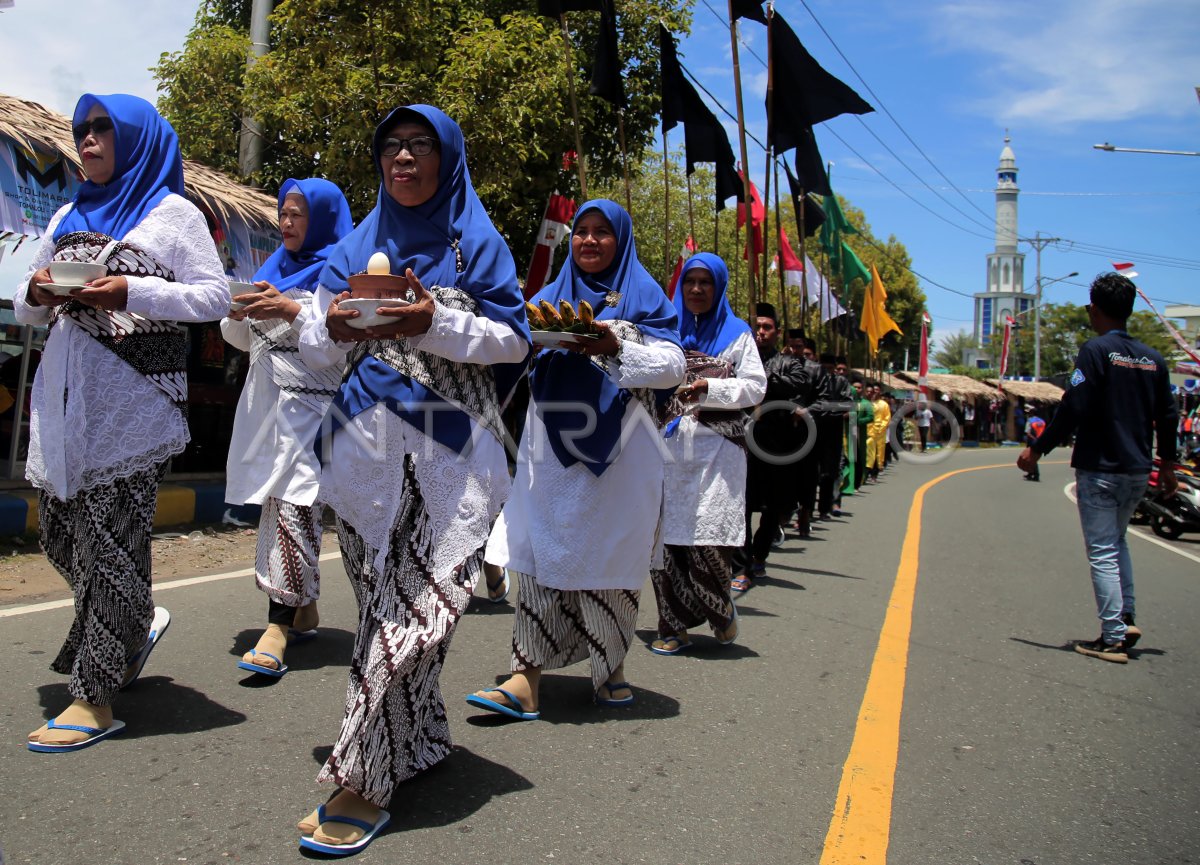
(555, 628)
(693, 588)
(286, 564)
(99, 540)
(395, 724)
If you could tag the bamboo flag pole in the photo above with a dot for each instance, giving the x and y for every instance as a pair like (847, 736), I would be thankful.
(769, 159)
(783, 298)
(624, 160)
(804, 263)
(741, 122)
(667, 208)
(581, 160)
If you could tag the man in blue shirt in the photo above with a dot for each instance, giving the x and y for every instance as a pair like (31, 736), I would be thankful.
(1118, 403)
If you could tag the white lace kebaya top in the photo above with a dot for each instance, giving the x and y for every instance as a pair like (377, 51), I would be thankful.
(705, 502)
(571, 530)
(94, 418)
(362, 481)
(271, 449)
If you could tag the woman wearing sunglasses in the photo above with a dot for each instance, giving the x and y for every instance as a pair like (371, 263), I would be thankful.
(107, 407)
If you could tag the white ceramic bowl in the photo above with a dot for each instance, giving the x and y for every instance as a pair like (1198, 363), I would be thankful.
(76, 273)
(366, 306)
(236, 288)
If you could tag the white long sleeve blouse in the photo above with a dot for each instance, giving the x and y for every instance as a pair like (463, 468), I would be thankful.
(93, 417)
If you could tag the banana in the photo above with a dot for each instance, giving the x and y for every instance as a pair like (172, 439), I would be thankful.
(553, 319)
(568, 314)
(585, 313)
(536, 321)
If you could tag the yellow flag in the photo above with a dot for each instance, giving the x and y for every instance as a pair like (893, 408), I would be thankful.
(876, 323)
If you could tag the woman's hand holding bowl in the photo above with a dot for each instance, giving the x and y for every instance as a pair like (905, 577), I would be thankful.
(42, 297)
(412, 319)
(108, 292)
(266, 304)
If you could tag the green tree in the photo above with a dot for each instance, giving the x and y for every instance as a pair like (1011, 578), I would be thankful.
(948, 350)
(336, 67)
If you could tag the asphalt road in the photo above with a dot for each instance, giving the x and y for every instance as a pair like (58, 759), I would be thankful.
(1012, 748)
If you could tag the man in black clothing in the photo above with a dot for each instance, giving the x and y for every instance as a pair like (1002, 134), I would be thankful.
(1118, 403)
(834, 401)
(800, 346)
(773, 439)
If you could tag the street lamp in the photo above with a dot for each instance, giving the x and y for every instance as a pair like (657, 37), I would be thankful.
(1110, 148)
(1037, 322)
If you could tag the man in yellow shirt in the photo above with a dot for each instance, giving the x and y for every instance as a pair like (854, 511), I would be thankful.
(877, 432)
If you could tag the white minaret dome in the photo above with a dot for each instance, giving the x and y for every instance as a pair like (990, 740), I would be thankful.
(1004, 294)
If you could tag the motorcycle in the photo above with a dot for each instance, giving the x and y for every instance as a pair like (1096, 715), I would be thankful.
(1171, 517)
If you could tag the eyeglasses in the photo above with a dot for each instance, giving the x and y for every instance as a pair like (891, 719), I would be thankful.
(96, 126)
(422, 145)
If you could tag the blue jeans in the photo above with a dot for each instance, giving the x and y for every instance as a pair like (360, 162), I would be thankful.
(1106, 501)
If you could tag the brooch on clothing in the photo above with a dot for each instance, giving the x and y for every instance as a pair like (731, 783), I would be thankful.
(612, 298)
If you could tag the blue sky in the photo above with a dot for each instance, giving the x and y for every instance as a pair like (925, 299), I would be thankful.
(1059, 77)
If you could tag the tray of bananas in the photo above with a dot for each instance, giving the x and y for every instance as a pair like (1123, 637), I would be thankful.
(550, 326)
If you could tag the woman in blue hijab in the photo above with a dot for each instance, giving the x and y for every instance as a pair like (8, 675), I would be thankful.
(581, 527)
(271, 458)
(704, 513)
(413, 463)
(107, 403)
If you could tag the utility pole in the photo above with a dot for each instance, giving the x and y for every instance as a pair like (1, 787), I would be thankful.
(1038, 243)
(250, 140)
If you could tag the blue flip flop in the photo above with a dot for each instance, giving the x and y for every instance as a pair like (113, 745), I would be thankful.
(296, 637)
(371, 829)
(500, 708)
(664, 649)
(504, 581)
(266, 671)
(158, 627)
(732, 623)
(610, 701)
(95, 734)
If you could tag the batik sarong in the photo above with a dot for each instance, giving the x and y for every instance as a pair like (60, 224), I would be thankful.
(693, 588)
(555, 628)
(99, 540)
(395, 724)
(286, 563)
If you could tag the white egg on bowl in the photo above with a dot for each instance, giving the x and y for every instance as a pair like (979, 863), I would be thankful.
(379, 264)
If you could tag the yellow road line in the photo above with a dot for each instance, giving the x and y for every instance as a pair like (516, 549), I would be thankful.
(862, 816)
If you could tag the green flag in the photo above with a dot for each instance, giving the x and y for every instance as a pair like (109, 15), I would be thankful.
(835, 226)
(852, 267)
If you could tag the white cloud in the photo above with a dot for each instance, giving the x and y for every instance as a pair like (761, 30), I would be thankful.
(1076, 60)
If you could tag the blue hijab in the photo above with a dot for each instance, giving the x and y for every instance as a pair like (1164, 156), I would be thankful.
(423, 238)
(329, 221)
(147, 167)
(711, 332)
(564, 377)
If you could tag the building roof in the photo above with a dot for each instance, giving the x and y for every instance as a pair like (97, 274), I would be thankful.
(36, 127)
(955, 386)
(1039, 391)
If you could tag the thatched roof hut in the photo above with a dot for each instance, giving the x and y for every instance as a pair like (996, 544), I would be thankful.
(1038, 391)
(884, 379)
(955, 386)
(36, 127)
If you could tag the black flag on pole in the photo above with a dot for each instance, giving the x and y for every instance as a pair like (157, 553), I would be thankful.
(606, 68)
(705, 139)
(814, 214)
(810, 167)
(555, 8)
(751, 9)
(805, 94)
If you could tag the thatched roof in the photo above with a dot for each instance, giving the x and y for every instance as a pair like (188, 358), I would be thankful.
(955, 386)
(1039, 391)
(36, 127)
(884, 379)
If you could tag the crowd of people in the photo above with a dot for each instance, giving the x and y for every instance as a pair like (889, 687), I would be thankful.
(676, 423)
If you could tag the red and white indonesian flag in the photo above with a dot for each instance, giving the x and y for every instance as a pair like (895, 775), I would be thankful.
(819, 292)
(556, 225)
(1008, 326)
(923, 369)
(1125, 268)
(689, 247)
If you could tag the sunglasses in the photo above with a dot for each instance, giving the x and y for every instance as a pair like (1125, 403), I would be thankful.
(422, 145)
(96, 126)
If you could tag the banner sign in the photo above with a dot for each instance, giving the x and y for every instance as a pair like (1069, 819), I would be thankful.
(33, 186)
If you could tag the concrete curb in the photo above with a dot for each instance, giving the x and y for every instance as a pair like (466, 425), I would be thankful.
(179, 503)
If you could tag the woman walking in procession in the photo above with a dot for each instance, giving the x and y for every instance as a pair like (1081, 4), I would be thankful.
(108, 399)
(414, 467)
(705, 504)
(271, 458)
(581, 529)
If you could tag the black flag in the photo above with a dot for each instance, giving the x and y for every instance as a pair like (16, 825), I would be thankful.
(555, 8)
(751, 9)
(810, 167)
(805, 94)
(814, 214)
(704, 136)
(606, 69)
